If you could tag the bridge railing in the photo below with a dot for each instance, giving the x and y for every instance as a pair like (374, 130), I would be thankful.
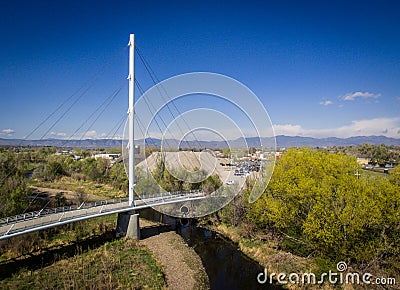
(146, 198)
(49, 211)
(168, 195)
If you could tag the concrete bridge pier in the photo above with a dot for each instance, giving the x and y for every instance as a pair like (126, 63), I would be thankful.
(128, 225)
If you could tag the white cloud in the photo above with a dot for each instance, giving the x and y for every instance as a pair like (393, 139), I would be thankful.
(60, 134)
(363, 95)
(326, 103)
(93, 135)
(289, 130)
(7, 132)
(389, 127)
(90, 134)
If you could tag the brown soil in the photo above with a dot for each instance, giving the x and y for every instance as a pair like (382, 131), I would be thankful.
(182, 266)
(68, 194)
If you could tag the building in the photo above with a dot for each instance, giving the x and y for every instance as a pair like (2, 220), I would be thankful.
(363, 161)
(106, 156)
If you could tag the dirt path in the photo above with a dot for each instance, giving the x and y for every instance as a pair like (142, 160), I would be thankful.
(68, 194)
(182, 266)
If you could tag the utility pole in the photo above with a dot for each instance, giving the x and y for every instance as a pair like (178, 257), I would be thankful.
(131, 145)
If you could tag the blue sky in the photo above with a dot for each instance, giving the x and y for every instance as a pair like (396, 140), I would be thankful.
(321, 68)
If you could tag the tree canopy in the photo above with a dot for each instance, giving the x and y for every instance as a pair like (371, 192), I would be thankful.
(318, 199)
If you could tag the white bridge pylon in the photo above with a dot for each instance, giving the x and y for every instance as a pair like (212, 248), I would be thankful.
(47, 218)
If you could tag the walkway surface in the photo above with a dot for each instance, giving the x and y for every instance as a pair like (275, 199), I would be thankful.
(46, 218)
(182, 266)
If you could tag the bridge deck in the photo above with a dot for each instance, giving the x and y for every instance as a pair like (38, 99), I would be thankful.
(47, 218)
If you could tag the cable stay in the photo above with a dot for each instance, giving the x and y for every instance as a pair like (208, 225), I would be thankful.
(116, 128)
(101, 112)
(79, 93)
(104, 104)
(76, 213)
(152, 110)
(156, 82)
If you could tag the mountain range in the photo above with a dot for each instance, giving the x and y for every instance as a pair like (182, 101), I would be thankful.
(281, 141)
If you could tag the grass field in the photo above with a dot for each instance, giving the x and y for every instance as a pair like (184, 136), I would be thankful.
(120, 264)
(372, 173)
(84, 186)
(82, 255)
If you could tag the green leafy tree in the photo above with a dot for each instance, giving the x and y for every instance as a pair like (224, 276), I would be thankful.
(13, 190)
(53, 169)
(96, 169)
(226, 152)
(316, 200)
(395, 176)
(118, 177)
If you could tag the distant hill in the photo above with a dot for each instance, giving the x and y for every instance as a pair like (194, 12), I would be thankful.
(281, 141)
(88, 143)
(298, 141)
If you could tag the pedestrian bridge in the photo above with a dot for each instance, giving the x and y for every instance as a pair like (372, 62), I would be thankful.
(47, 218)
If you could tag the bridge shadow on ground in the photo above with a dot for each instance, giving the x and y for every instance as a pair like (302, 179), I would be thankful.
(46, 257)
(150, 231)
(49, 256)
